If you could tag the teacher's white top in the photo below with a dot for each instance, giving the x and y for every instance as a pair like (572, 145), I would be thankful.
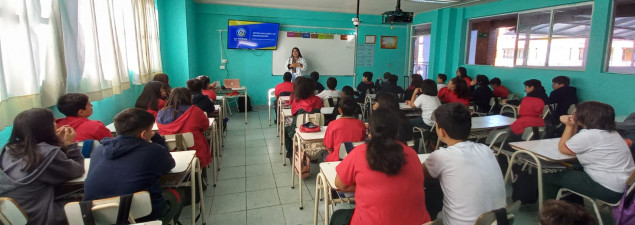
(298, 71)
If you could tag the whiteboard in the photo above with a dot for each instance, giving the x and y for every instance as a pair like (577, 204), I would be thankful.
(326, 56)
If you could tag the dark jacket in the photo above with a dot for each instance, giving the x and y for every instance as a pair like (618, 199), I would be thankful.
(391, 88)
(481, 96)
(362, 88)
(35, 191)
(203, 102)
(125, 165)
(562, 98)
(319, 87)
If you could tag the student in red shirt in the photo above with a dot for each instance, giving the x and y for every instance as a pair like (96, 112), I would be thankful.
(461, 72)
(77, 109)
(499, 90)
(180, 116)
(456, 91)
(530, 109)
(151, 98)
(386, 176)
(302, 101)
(285, 86)
(346, 128)
(165, 79)
(208, 89)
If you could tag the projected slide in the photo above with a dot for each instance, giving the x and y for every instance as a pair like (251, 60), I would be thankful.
(252, 35)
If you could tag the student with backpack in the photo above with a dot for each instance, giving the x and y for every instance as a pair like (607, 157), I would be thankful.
(302, 101)
(77, 108)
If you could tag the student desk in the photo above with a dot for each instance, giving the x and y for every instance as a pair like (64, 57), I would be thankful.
(155, 127)
(620, 118)
(242, 93)
(282, 104)
(299, 140)
(539, 153)
(282, 121)
(482, 125)
(325, 182)
(368, 103)
(185, 162)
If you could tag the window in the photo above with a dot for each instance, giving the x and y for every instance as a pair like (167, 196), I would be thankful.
(555, 37)
(621, 58)
(420, 49)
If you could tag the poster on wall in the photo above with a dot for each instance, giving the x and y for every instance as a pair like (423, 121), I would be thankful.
(365, 55)
(388, 42)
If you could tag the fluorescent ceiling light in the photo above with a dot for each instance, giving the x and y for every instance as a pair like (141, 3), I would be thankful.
(436, 1)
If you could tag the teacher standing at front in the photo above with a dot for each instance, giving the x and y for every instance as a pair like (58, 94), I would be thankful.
(295, 64)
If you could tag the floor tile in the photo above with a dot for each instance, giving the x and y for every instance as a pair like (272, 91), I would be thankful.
(255, 143)
(260, 182)
(288, 195)
(257, 170)
(231, 172)
(279, 168)
(256, 151)
(266, 216)
(238, 161)
(283, 179)
(262, 198)
(293, 215)
(229, 203)
(275, 158)
(257, 159)
(234, 218)
(230, 186)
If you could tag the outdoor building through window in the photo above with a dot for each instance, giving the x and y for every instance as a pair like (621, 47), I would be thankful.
(621, 58)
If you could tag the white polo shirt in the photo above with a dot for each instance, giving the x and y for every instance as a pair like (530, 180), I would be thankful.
(427, 104)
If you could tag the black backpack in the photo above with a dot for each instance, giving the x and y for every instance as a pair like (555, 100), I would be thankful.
(241, 104)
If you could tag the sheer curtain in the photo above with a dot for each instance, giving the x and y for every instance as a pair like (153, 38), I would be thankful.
(31, 61)
(147, 40)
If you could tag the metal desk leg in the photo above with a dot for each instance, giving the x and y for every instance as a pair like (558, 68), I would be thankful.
(246, 106)
(300, 151)
(269, 109)
(318, 188)
(538, 171)
(293, 145)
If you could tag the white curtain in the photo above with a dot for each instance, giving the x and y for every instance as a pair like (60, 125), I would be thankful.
(31, 61)
(147, 40)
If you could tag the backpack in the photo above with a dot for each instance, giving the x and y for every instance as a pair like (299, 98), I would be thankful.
(624, 213)
(241, 104)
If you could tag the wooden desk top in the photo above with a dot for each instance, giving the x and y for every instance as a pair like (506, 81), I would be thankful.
(546, 149)
(312, 136)
(490, 122)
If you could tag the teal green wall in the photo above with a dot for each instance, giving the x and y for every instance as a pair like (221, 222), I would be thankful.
(253, 68)
(449, 28)
(173, 35)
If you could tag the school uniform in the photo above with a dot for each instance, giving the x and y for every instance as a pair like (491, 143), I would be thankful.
(364, 87)
(286, 86)
(468, 80)
(448, 96)
(383, 199)
(125, 165)
(501, 92)
(391, 88)
(85, 129)
(427, 104)
(561, 99)
(319, 88)
(440, 86)
(35, 191)
(607, 164)
(529, 115)
(329, 94)
(481, 96)
(192, 119)
(343, 130)
(203, 102)
(160, 105)
(471, 181)
(308, 105)
(210, 93)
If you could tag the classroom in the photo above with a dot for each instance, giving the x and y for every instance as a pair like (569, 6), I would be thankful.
(181, 112)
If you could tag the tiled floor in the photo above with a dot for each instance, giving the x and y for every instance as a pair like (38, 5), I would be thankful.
(255, 188)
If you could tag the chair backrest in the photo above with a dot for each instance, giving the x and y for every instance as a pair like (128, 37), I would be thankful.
(545, 111)
(330, 101)
(179, 142)
(105, 210)
(271, 93)
(571, 108)
(315, 118)
(532, 133)
(11, 213)
(344, 151)
(87, 147)
(512, 96)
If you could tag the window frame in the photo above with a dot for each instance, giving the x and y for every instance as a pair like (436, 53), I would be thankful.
(525, 53)
(609, 43)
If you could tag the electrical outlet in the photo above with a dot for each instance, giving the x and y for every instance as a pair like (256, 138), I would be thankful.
(223, 60)
(222, 67)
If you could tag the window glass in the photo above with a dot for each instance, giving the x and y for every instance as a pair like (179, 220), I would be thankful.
(621, 58)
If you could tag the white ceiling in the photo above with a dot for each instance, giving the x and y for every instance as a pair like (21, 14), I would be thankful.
(369, 7)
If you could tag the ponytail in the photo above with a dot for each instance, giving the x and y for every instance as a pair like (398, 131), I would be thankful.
(384, 153)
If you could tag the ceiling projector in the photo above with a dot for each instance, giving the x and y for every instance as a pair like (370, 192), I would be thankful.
(397, 16)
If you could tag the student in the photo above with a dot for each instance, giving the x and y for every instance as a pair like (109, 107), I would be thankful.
(39, 156)
(498, 89)
(347, 92)
(365, 87)
(427, 101)
(457, 91)
(558, 212)
(285, 86)
(441, 78)
(391, 86)
(346, 128)
(481, 94)
(331, 83)
(180, 116)
(561, 98)
(198, 98)
(77, 109)
(389, 101)
(415, 82)
(163, 78)
(461, 73)
(151, 98)
(380, 83)
(132, 161)
(531, 108)
(386, 176)
(604, 155)
(315, 76)
(471, 179)
(207, 88)
(302, 101)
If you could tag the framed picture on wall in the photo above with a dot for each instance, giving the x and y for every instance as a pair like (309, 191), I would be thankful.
(388, 42)
(370, 39)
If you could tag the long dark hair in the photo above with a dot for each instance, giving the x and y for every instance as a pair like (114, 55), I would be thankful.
(482, 80)
(31, 127)
(387, 100)
(462, 72)
(460, 88)
(384, 153)
(299, 53)
(180, 96)
(303, 88)
(417, 81)
(149, 97)
(205, 81)
(163, 78)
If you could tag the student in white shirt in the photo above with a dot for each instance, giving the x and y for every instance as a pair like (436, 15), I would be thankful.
(441, 78)
(470, 177)
(601, 151)
(331, 84)
(427, 101)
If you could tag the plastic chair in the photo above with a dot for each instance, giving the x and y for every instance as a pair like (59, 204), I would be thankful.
(344, 152)
(179, 142)
(270, 95)
(87, 147)
(330, 102)
(11, 213)
(105, 210)
(629, 183)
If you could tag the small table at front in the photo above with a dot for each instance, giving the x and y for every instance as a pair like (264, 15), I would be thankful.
(325, 182)
(540, 153)
(185, 161)
(298, 140)
(242, 89)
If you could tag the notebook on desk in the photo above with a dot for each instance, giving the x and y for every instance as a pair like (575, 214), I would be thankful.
(232, 83)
